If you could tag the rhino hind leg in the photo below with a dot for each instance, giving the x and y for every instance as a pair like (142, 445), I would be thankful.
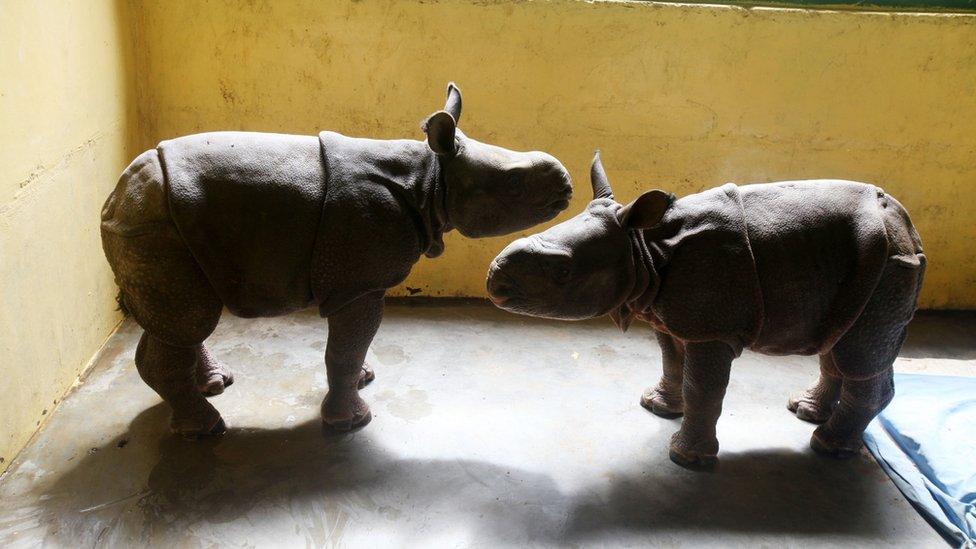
(860, 402)
(665, 399)
(212, 377)
(864, 357)
(366, 376)
(169, 370)
(816, 403)
(171, 299)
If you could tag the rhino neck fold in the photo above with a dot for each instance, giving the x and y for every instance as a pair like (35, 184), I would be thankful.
(646, 279)
(429, 198)
(644, 289)
(407, 168)
(414, 174)
(437, 212)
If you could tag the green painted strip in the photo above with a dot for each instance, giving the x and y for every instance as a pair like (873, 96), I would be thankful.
(872, 5)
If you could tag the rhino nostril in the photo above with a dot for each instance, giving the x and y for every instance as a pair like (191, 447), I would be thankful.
(502, 290)
(558, 204)
(499, 286)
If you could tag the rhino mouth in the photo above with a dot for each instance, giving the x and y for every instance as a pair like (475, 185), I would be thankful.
(553, 208)
(564, 193)
(545, 211)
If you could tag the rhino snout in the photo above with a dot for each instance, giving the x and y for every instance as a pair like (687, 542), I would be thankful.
(500, 285)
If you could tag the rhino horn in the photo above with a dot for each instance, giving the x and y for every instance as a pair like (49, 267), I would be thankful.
(598, 178)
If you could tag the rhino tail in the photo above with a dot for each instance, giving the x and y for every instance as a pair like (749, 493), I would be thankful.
(904, 243)
(120, 299)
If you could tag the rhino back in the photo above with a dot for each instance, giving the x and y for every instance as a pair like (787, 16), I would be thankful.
(248, 206)
(820, 248)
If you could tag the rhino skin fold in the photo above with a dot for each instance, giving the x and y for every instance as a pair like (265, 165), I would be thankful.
(823, 267)
(266, 224)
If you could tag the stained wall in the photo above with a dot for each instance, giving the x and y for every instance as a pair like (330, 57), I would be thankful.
(678, 97)
(66, 122)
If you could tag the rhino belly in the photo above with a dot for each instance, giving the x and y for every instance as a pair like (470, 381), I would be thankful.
(248, 206)
(819, 247)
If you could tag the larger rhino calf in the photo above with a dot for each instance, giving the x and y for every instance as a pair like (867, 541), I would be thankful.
(805, 267)
(266, 224)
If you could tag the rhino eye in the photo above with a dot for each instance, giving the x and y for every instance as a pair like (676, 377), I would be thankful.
(513, 186)
(559, 273)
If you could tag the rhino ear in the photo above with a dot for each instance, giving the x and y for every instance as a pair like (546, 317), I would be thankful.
(598, 179)
(453, 104)
(645, 212)
(441, 128)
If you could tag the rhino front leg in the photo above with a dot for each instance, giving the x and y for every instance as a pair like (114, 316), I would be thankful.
(351, 330)
(212, 377)
(706, 376)
(816, 403)
(664, 399)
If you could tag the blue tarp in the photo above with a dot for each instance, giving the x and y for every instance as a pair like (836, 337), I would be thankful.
(926, 441)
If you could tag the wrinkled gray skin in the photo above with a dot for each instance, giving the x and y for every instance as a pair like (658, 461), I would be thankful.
(267, 224)
(808, 267)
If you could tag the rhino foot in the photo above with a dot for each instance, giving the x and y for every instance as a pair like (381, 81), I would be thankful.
(345, 411)
(694, 461)
(693, 454)
(215, 383)
(347, 424)
(841, 448)
(367, 376)
(662, 403)
(197, 426)
(809, 409)
(211, 375)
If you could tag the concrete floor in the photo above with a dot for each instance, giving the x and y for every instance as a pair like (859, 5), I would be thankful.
(489, 430)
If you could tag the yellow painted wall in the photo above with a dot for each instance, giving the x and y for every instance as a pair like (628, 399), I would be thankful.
(65, 125)
(678, 97)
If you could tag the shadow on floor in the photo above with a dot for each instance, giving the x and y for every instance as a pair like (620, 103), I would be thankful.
(941, 334)
(781, 491)
(300, 481)
(291, 478)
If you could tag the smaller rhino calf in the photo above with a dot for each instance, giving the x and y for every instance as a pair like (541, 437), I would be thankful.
(825, 267)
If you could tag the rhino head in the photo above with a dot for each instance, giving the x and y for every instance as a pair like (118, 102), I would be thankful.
(491, 191)
(582, 268)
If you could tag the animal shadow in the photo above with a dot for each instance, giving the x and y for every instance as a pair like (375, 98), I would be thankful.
(302, 485)
(766, 491)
